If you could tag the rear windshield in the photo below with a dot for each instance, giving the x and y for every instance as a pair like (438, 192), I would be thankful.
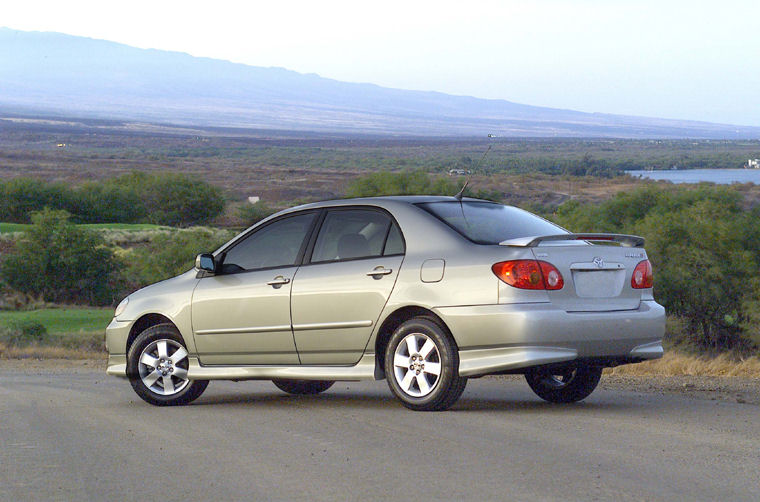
(488, 222)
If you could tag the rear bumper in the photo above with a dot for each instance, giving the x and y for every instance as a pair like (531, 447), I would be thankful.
(497, 338)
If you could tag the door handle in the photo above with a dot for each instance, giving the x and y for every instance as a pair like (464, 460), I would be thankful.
(278, 281)
(379, 271)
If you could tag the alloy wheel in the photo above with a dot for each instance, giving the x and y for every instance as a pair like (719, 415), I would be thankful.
(417, 365)
(163, 367)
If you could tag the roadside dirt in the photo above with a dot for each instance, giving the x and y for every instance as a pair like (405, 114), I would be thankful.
(731, 389)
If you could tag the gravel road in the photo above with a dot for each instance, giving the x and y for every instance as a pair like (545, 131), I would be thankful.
(70, 432)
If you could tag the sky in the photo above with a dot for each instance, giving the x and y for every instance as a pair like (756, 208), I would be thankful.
(697, 60)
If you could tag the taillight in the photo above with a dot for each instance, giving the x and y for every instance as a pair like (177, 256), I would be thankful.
(529, 274)
(642, 275)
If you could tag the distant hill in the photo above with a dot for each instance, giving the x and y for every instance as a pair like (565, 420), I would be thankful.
(53, 73)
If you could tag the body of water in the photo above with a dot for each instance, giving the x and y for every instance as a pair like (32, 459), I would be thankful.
(720, 176)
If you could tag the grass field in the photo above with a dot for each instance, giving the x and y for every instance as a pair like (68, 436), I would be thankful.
(134, 227)
(63, 321)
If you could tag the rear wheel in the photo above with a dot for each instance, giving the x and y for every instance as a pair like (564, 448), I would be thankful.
(157, 368)
(422, 366)
(302, 386)
(564, 385)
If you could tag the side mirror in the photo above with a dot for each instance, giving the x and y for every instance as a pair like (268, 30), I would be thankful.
(205, 262)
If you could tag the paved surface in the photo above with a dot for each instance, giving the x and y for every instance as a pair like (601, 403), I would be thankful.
(82, 435)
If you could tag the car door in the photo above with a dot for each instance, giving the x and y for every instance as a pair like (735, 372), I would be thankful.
(241, 314)
(338, 295)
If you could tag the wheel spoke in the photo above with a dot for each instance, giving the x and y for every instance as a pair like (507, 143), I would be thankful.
(149, 360)
(401, 361)
(411, 344)
(168, 384)
(151, 378)
(422, 382)
(427, 348)
(178, 355)
(406, 383)
(432, 368)
(162, 352)
(180, 373)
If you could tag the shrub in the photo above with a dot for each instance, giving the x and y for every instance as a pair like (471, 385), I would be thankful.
(19, 197)
(165, 199)
(174, 199)
(96, 202)
(61, 262)
(171, 254)
(254, 213)
(22, 332)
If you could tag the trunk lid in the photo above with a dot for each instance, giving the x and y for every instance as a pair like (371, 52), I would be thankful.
(597, 277)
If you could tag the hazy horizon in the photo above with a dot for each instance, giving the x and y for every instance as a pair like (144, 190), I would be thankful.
(677, 60)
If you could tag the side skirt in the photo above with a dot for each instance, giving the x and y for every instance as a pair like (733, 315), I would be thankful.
(363, 370)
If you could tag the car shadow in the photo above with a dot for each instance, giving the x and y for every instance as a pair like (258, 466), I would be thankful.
(273, 400)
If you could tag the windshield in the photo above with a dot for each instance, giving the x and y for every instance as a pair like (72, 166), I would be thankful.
(488, 222)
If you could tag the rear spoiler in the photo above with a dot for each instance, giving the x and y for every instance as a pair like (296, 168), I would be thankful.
(628, 241)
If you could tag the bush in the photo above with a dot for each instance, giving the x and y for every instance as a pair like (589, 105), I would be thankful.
(22, 332)
(96, 202)
(61, 262)
(174, 199)
(254, 213)
(164, 199)
(19, 197)
(171, 254)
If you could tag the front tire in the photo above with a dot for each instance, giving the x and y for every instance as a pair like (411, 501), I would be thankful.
(564, 385)
(302, 387)
(157, 367)
(422, 366)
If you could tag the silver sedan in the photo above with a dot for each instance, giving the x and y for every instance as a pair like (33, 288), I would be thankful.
(423, 291)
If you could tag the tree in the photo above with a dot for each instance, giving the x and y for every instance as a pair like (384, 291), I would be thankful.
(61, 262)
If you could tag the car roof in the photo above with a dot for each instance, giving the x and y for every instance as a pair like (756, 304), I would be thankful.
(384, 200)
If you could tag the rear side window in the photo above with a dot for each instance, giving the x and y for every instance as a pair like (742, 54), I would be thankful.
(488, 222)
(351, 234)
(395, 242)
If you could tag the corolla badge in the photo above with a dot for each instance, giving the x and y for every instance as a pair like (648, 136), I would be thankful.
(598, 261)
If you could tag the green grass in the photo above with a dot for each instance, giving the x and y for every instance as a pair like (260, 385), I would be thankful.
(60, 321)
(136, 227)
(6, 228)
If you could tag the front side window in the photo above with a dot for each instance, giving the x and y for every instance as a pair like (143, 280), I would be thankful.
(351, 234)
(488, 222)
(275, 245)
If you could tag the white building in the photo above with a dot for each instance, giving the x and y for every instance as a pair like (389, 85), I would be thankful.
(753, 164)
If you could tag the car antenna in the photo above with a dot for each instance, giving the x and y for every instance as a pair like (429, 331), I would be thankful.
(460, 194)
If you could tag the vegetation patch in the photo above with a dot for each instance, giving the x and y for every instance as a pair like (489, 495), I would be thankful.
(60, 321)
(680, 364)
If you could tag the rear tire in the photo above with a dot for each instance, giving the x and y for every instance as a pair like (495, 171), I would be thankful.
(157, 367)
(302, 387)
(564, 385)
(422, 366)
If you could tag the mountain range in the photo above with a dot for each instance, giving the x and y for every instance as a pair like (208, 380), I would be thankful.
(53, 74)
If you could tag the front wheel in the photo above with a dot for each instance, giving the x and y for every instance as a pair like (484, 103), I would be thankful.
(564, 385)
(157, 368)
(422, 366)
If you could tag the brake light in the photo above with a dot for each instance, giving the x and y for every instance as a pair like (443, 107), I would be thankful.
(529, 274)
(642, 275)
